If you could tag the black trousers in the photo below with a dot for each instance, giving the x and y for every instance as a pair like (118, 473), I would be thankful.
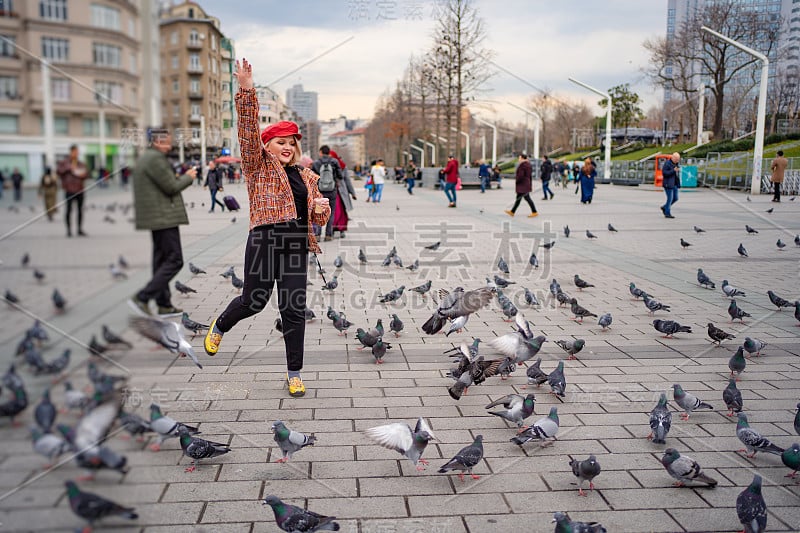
(527, 198)
(777, 191)
(76, 198)
(331, 196)
(275, 253)
(167, 262)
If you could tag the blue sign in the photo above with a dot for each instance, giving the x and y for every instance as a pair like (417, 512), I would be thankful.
(227, 151)
(688, 176)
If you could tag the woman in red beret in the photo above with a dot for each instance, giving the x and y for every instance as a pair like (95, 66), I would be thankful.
(284, 203)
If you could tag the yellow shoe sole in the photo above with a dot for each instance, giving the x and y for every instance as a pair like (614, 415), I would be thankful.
(209, 343)
(297, 389)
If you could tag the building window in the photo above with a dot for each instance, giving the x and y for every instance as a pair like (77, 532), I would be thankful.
(61, 89)
(174, 61)
(133, 63)
(195, 110)
(194, 85)
(213, 42)
(6, 7)
(132, 27)
(7, 49)
(176, 110)
(226, 123)
(55, 49)
(213, 66)
(91, 127)
(176, 86)
(194, 37)
(8, 88)
(105, 17)
(9, 124)
(226, 86)
(194, 62)
(107, 55)
(61, 125)
(173, 37)
(195, 134)
(53, 9)
(111, 90)
(191, 13)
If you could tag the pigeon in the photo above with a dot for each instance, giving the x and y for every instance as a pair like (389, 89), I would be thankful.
(737, 362)
(102, 381)
(15, 405)
(434, 246)
(58, 301)
(660, 421)
(557, 380)
(466, 459)
(197, 448)
(165, 426)
(379, 350)
(195, 270)
(397, 261)
(516, 408)
(191, 325)
(233, 220)
(38, 275)
(413, 267)
(637, 293)
(58, 364)
(698, 229)
(654, 305)
(566, 232)
(341, 323)
(509, 310)
(777, 301)
(731, 291)
(543, 429)
(684, 469)
(752, 440)
(501, 282)
(797, 310)
(476, 372)
(685, 244)
(585, 470)
(366, 338)
(401, 438)
(135, 425)
(387, 260)
(753, 346)
(74, 398)
(396, 325)
(742, 251)
(122, 262)
(718, 335)
(228, 273)
(338, 262)
(457, 325)
(503, 266)
(535, 374)
(296, 519)
(564, 524)
(791, 459)
(581, 284)
(590, 235)
(605, 321)
(290, 441)
(362, 257)
(534, 261)
(549, 245)
(736, 313)
(670, 328)
(11, 297)
(579, 312)
(732, 397)
(26, 260)
(506, 368)
(95, 348)
(796, 238)
(704, 280)
(422, 289)
(45, 413)
(392, 295)
(531, 299)
(114, 340)
(780, 244)
(748, 198)
(116, 272)
(238, 283)
(612, 229)
(751, 231)
(455, 304)
(48, 445)
(687, 401)
(92, 507)
(751, 507)
(572, 347)
(520, 345)
(555, 287)
(185, 289)
(167, 334)
(332, 284)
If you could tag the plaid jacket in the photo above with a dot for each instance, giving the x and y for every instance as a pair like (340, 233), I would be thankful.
(268, 185)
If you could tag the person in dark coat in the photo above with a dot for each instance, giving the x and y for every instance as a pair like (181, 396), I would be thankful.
(524, 186)
(587, 175)
(671, 183)
(547, 171)
(214, 183)
(73, 173)
(16, 181)
(344, 193)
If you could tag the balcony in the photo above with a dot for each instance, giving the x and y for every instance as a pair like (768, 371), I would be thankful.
(196, 95)
(195, 69)
(194, 118)
(194, 44)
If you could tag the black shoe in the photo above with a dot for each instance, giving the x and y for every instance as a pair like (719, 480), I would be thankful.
(169, 311)
(81, 233)
(668, 216)
(662, 210)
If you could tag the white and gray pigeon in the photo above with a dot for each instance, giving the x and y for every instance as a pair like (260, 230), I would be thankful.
(48, 445)
(502, 282)
(165, 426)
(751, 507)
(704, 280)
(457, 325)
(687, 401)
(543, 429)
(753, 346)
(338, 262)
(516, 408)
(401, 438)
(654, 305)
(290, 441)
(585, 470)
(74, 398)
(660, 421)
(456, 304)
(753, 440)
(195, 269)
(466, 459)
(167, 334)
(684, 469)
(731, 291)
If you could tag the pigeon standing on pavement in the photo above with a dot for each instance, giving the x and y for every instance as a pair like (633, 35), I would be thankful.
(237, 282)
(535, 374)
(165, 426)
(718, 335)
(557, 380)
(581, 284)
(571, 347)
(791, 459)
(401, 438)
(332, 284)
(590, 235)
(566, 231)
(502, 282)
(503, 266)
(605, 321)
(290, 441)
(195, 270)
(585, 470)
(612, 229)
(564, 524)
(780, 244)
(660, 421)
(534, 261)
(687, 401)
(685, 244)
(530, 298)
(167, 334)
(654, 305)
(731, 291)
(684, 469)
(704, 280)
(670, 328)
(48, 445)
(751, 507)
(191, 325)
(396, 325)
(422, 289)
(753, 346)
(435, 246)
(750, 230)
(732, 397)
(92, 507)
(294, 519)
(516, 408)
(196, 448)
(737, 362)
(543, 429)
(135, 425)
(777, 301)
(637, 292)
(45, 413)
(742, 250)
(753, 441)
(392, 295)
(736, 313)
(698, 229)
(183, 289)
(466, 459)
(338, 262)
(113, 340)
(379, 350)
(58, 301)
(579, 311)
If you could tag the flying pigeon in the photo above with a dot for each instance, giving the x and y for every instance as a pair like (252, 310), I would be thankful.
(503, 266)
(742, 251)
(670, 328)
(195, 270)
(704, 280)
(401, 438)
(466, 459)
(752, 440)
(585, 470)
(571, 347)
(295, 519)
(736, 313)
(581, 284)
(753, 346)
(543, 429)
(520, 345)
(196, 448)
(718, 335)
(732, 397)
(731, 291)
(684, 469)
(165, 426)
(475, 372)
(660, 421)
(167, 334)
(685, 244)
(564, 524)
(777, 301)
(612, 228)
(455, 304)
(290, 441)
(92, 507)
(687, 401)
(605, 321)
(516, 408)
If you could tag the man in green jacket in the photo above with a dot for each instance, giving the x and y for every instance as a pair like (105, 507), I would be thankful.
(158, 207)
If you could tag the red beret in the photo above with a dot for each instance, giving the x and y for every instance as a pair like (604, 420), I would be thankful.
(284, 128)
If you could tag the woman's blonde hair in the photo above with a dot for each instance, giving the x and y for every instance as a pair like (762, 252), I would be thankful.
(298, 151)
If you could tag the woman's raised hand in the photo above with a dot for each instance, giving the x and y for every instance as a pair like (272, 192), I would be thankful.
(244, 74)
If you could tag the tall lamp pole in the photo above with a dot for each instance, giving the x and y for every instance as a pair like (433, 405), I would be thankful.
(758, 149)
(421, 154)
(433, 150)
(536, 121)
(494, 138)
(607, 162)
(465, 134)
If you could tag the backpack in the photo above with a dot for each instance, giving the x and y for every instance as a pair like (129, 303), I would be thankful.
(326, 181)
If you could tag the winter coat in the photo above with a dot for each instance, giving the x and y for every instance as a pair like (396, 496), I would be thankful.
(345, 188)
(524, 173)
(157, 199)
(72, 178)
(451, 171)
(778, 167)
(214, 179)
(546, 169)
(670, 174)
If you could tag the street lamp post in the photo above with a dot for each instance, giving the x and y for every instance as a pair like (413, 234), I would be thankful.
(758, 149)
(101, 130)
(701, 108)
(433, 150)
(47, 116)
(465, 134)
(494, 138)
(536, 122)
(441, 139)
(607, 162)
(421, 154)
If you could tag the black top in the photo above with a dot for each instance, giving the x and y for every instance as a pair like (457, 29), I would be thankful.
(300, 194)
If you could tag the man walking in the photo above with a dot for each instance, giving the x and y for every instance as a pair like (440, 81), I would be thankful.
(330, 174)
(484, 175)
(214, 184)
(450, 179)
(16, 181)
(778, 168)
(73, 173)
(547, 170)
(524, 186)
(411, 176)
(670, 173)
(158, 207)
(378, 178)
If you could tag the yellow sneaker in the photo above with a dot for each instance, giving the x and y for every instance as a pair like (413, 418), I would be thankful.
(296, 387)
(533, 215)
(509, 212)
(213, 339)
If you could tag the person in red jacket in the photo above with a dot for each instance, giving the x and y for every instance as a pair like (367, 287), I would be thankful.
(524, 186)
(450, 180)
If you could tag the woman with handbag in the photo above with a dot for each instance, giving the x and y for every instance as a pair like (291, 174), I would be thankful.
(284, 203)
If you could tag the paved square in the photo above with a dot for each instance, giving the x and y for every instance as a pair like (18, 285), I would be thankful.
(610, 388)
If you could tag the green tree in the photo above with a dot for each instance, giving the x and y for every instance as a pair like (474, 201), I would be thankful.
(625, 110)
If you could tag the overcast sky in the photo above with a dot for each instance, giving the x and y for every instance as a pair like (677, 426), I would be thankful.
(541, 41)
